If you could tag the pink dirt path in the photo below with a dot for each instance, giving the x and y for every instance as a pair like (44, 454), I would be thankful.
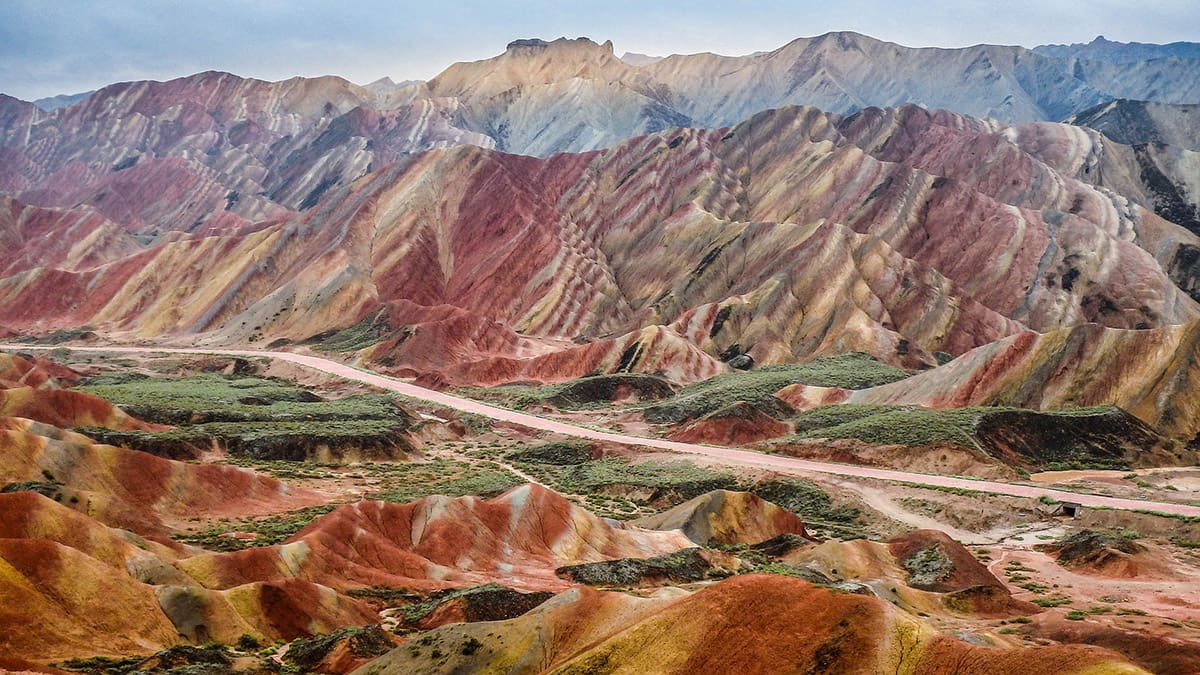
(729, 455)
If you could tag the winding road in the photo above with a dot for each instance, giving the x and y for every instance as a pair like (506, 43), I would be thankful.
(731, 456)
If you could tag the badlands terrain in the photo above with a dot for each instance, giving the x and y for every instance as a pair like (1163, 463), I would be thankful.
(846, 357)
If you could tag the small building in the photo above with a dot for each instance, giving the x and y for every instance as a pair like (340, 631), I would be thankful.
(1069, 509)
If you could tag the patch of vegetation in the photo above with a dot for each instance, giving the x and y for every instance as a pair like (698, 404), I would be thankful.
(371, 329)
(685, 479)
(293, 441)
(386, 594)
(848, 371)
(60, 336)
(470, 646)
(252, 417)
(406, 482)
(560, 453)
(1163, 514)
(102, 665)
(210, 397)
(891, 425)
(269, 530)
(617, 488)
(1086, 544)
(51, 490)
(1076, 615)
(1034, 587)
(419, 610)
(476, 424)
(580, 394)
(682, 566)
(364, 642)
(212, 659)
(1056, 601)
(1062, 439)
(807, 500)
(928, 567)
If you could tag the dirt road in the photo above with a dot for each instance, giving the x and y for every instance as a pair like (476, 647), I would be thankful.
(730, 456)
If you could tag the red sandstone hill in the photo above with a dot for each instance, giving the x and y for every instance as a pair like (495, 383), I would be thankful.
(667, 253)
(30, 389)
(131, 489)
(747, 624)
(60, 566)
(1082, 366)
(517, 539)
(75, 588)
(726, 517)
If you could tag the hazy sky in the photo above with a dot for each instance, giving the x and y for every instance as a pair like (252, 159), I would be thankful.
(64, 46)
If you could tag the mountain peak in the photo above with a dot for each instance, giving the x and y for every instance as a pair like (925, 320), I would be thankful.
(538, 45)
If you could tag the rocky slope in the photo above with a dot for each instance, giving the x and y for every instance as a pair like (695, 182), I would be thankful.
(211, 152)
(670, 253)
(518, 539)
(1082, 366)
(542, 97)
(78, 589)
(726, 517)
(129, 489)
(30, 389)
(745, 624)
(1140, 122)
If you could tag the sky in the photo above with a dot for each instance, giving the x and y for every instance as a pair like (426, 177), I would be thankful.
(50, 47)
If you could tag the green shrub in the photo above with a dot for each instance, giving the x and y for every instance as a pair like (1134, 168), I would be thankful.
(1056, 601)
(848, 371)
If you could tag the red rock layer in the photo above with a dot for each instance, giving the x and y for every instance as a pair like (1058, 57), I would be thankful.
(37, 372)
(726, 517)
(1082, 366)
(964, 570)
(72, 587)
(900, 233)
(131, 489)
(517, 539)
(211, 152)
(750, 624)
(739, 424)
(29, 389)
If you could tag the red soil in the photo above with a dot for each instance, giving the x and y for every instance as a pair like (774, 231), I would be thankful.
(518, 539)
(738, 424)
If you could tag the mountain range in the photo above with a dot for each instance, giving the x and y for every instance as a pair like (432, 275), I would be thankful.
(662, 217)
(921, 264)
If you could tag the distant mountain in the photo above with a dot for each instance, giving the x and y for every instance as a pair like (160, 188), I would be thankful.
(1108, 51)
(385, 88)
(52, 103)
(212, 151)
(844, 72)
(1137, 122)
(635, 59)
(571, 95)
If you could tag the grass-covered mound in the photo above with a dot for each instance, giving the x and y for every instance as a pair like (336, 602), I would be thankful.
(846, 371)
(252, 417)
(579, 394)
(1101, 437)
